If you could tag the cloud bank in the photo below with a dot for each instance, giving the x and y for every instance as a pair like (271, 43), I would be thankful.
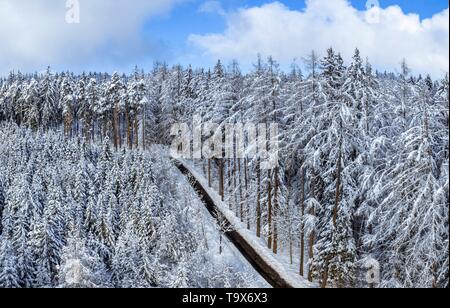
(386, 35)
(35, 33)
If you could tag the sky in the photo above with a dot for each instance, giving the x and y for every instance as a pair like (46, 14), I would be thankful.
(116, 35)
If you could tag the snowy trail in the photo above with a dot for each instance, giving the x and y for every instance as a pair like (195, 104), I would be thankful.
(249, 246)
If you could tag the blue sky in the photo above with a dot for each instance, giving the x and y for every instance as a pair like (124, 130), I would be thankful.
(173, 29)
(187, 18)
(118, 34)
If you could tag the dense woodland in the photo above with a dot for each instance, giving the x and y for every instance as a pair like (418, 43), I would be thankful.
(78, 215)
(363, 172)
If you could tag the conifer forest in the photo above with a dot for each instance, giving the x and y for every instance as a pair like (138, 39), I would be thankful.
(90, 196)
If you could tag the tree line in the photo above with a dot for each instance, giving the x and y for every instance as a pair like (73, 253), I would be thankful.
(363, 170)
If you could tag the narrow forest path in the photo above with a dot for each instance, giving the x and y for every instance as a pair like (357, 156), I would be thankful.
(259, 257)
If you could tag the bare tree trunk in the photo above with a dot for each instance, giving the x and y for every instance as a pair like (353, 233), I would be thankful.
(87, 127)
(291, 247)
(229, 172)
(136, 131)
(94, 121)
(239, 183)
(269, 213)
(247, 203)
(290, 231)
(115, 127)
(325, 276)
(434, 270)
(258, 201)
(222, 166)
(119, 127)
(143, 129)
(129, 127)
(338, 187)
(221, 179)
(229, 188)
(275, 213)
(234, 188)
(302, 225)
(105, 127)
(312, 238)
(68, 123)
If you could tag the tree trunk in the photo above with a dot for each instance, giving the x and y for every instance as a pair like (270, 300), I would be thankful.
(275, 213)
(93, 123)
(239, 183)
(221, 179)
(87, 127)
(229, 187)
(119, 127)
(312, 238)
(115, 127)
(258, 201)
(325, 276)
(338, 186)
(302, 225)
(234, 189)
(247, 204)
(143, 129)
(269, 213)
(336, 207)
(105, 127)
(290, 230)
(129, 128)
(313, 233)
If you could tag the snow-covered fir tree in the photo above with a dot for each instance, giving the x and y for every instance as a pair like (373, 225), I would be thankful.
(86, 201)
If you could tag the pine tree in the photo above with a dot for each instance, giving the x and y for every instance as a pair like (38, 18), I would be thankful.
(332, 151)
(81, 191)
(85, 110)
(21, 229)
(135, 104)
(39, 245)
(104, 224)
(403, 93)
(92, 102)
(9, 274)
(31, 105)
(55, 225)
(68, 106)
(125, 262)
(359, 90)
(180, 277)
(79, 267)
(49, 96)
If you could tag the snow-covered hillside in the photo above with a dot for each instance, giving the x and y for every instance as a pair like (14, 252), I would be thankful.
(359, 197)
(78, 215)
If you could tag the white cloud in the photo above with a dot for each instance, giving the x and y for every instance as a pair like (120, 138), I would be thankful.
(273, 29)
(35, 33)
(212, 7)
